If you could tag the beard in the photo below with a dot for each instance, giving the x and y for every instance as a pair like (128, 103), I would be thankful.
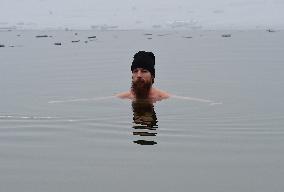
(141, 88)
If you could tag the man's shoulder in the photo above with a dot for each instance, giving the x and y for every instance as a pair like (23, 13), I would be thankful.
(161, 94)
(124, 95)
(155, 94)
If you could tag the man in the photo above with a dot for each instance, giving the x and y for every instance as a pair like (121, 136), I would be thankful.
(143, 75)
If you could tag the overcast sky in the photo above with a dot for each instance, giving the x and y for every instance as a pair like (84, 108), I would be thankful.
(142, 13)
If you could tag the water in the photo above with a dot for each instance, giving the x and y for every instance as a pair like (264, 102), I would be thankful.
(61, 129)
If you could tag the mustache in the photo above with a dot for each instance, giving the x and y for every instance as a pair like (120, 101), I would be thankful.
(139, 80)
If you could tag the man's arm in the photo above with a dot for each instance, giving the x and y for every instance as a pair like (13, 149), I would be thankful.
(165, 95)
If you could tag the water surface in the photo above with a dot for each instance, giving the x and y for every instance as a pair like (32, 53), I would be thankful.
(60, 129)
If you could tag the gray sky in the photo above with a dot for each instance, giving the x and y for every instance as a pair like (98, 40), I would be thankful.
(142, 13)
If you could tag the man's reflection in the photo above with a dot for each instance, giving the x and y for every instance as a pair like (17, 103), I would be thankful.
(145, 121)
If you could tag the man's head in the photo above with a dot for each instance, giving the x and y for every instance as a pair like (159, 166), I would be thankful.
(143, 73)
(145, 60)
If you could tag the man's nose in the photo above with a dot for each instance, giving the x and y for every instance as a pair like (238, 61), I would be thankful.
(139, 74)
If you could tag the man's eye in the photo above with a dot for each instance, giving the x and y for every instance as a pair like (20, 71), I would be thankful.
(144, 71)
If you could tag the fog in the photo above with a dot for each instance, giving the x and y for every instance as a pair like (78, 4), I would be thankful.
(142, 14)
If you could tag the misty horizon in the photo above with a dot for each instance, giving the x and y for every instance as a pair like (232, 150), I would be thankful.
(137, 14)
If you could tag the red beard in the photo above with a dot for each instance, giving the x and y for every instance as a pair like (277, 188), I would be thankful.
(141, 89)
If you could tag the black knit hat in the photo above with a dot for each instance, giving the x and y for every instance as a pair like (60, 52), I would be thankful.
(145, 60)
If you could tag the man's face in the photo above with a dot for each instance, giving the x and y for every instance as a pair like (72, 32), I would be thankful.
(141, 82)
(140, 74)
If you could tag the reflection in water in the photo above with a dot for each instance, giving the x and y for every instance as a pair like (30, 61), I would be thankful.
(145, 121)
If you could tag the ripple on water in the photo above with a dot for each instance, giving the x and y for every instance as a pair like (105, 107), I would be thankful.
(171, 128)
(216, 126)
(23, 127)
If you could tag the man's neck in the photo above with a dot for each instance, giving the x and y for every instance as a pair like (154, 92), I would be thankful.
(141, 94)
